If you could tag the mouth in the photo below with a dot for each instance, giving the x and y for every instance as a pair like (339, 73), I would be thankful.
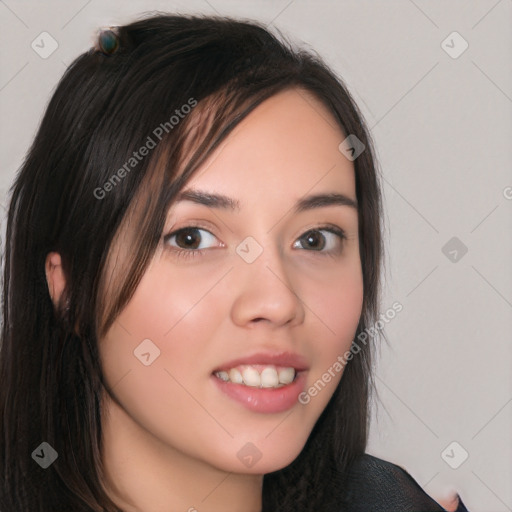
(259, 376)
(264, 383)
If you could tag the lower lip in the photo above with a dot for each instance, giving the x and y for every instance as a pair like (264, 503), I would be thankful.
(264, 400)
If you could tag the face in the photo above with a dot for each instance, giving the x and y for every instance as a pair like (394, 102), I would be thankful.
(253, 289)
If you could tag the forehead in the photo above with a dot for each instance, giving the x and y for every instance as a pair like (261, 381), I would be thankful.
(287, 146)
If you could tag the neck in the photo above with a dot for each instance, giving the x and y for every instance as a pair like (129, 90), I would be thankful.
(143, 474)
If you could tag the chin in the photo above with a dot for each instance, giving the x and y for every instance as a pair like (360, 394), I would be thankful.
(261, 457)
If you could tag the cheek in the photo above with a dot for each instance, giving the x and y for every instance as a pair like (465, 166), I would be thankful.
(335, 299)
(174, 328)
(158, 343)
(340, 307)
(174, 313)
(164, 300)
(336, 302)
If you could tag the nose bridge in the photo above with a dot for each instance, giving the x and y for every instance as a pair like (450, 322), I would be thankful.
(264, 284)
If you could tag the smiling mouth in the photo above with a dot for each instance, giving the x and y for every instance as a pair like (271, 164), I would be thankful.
(263, 392)
(259, 375)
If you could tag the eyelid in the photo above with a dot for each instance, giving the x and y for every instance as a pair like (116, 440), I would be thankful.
(324, 226)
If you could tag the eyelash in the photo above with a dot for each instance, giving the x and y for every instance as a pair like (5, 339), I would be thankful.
(191, 253)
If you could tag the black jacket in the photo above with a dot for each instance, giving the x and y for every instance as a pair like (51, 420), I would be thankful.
(375, 485)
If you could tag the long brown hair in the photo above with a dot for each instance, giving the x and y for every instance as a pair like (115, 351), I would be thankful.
(107, 104)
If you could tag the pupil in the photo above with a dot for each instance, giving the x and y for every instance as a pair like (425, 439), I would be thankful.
(186, 238)
(313, 237)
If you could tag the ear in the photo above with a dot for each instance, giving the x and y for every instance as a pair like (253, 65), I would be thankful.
(55, 276)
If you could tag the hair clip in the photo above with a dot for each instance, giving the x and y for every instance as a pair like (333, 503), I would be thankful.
(108, 40)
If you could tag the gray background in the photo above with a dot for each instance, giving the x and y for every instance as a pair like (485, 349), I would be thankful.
(442, 127)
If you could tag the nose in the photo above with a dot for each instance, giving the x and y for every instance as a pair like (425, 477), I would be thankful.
(265, 292)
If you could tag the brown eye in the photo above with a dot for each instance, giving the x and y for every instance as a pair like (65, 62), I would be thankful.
(189, 238)
(313, 240)
(320, 238)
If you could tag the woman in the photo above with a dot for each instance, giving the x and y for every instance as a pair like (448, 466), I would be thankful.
(193, 247)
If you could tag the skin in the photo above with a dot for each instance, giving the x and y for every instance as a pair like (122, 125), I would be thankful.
(170, 437)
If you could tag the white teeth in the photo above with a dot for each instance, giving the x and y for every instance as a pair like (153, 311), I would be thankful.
(286, 375)
(251, 377)
(235, 376)
(270, 376)
(223, 376)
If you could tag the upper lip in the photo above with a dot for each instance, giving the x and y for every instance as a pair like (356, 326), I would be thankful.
(285, 359)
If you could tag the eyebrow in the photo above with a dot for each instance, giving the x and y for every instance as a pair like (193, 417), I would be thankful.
(306, 203)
